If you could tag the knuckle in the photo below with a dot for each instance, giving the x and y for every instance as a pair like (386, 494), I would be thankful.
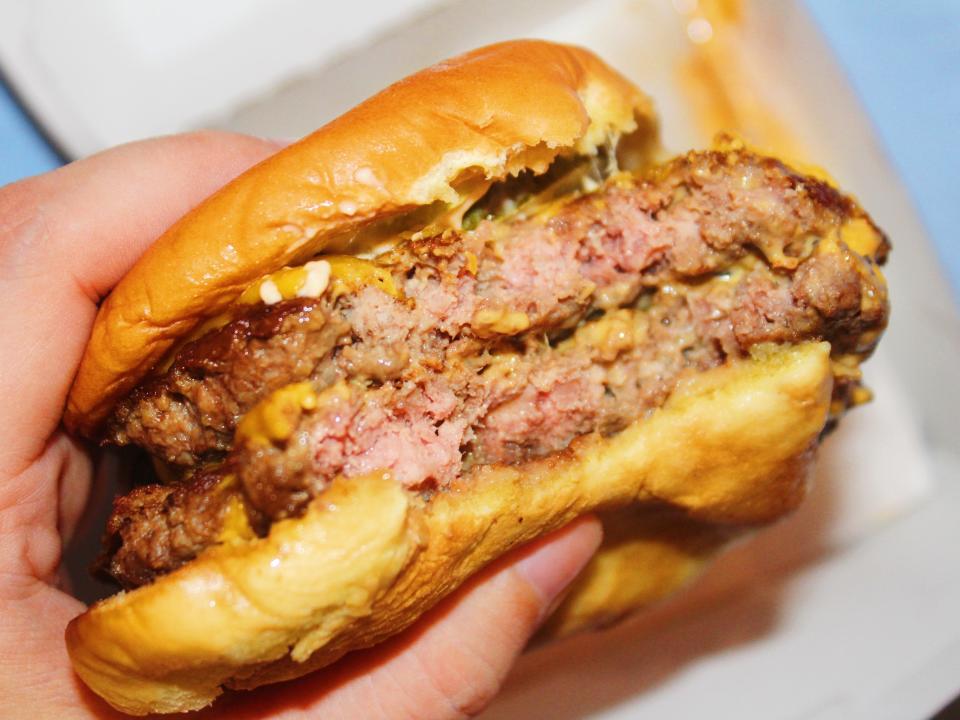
(22, 226)
(455, 681)
(482, 688)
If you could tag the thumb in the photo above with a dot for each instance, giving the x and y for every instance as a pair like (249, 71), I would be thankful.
(453, 662)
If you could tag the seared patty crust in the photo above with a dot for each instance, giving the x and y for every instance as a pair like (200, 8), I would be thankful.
(512, 339)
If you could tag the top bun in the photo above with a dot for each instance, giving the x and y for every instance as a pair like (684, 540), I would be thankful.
(427, 139)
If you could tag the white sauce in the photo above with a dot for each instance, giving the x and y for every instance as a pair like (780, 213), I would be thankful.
(318, 277)
(270, 293)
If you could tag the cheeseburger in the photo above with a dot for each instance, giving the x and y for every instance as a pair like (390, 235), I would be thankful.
(474, 307)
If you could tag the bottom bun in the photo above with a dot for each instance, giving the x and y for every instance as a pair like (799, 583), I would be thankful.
(730, 449)
(647, 554)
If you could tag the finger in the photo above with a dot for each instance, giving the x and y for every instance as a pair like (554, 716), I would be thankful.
(447, 666)
(66, 238)
(37, 680)
(452, 663)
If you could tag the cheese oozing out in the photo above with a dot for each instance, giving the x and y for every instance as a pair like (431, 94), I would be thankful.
(337, 274)
(307, 281)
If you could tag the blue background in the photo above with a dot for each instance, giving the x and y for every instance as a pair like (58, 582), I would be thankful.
(902, 56)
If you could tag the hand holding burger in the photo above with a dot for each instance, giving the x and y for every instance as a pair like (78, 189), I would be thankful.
(65, 240)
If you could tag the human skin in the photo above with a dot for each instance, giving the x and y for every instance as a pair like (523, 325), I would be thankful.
(66, 238)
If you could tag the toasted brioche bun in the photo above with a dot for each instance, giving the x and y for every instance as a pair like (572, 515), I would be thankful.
(427, 139)
(730, 449)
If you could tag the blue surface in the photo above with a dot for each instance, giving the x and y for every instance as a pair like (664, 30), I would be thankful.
(903, 57)
(23, 151)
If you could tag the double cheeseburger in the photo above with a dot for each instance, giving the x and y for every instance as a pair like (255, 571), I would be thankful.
(471, 309)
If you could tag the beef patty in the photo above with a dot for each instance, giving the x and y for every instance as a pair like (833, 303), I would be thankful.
(510, 340)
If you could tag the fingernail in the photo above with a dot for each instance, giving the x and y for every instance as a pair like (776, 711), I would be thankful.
(559, 558)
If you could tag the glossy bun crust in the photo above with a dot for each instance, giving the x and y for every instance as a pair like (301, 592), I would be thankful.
(426, 139)
(369, 558)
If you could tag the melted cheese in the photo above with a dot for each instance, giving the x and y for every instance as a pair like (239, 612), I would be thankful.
(499, 321)
(502, 366)
(236, 526)
(846, 366)
(351, 274)
(340, 273)
(609, 335)
(275, 418)
(860, 236)
(309, 280)
(472, 263)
